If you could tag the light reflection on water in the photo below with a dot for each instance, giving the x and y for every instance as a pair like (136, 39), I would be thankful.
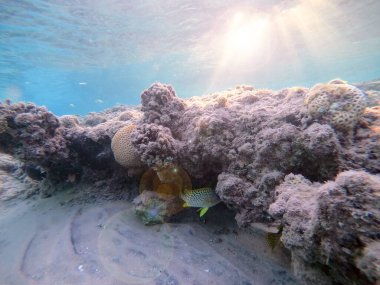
(120, 47)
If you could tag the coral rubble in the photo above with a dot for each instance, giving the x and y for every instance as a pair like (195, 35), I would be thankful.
(306, 158)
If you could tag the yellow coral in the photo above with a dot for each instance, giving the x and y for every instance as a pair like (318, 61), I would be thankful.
(123, 150)
(338, 103)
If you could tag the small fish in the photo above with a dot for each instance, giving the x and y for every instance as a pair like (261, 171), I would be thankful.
(202, 198)
(99, 101)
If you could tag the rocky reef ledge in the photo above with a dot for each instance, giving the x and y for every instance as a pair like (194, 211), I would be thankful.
(304, 160)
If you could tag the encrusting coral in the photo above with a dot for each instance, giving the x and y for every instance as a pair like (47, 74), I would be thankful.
(161, 105)
(35, 133)
(155, 144)
(329, 224)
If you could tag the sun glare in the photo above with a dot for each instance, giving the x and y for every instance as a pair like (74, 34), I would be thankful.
(252, 41)
(243, 44)
(244, 35)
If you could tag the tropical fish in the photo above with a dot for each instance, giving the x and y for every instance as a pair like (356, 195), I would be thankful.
(202, 198)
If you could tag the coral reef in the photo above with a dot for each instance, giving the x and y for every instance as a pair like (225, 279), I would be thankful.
(327, 226)
(64, 146)
(3, 125)
(160, 105)
(123, 150)
(14, 182)
(34, 133)
(69, 121)
(155, 144)
(372, 89)
(242, 142)
(369, 262)
(337, 103)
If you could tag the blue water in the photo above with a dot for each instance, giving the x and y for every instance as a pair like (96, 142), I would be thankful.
(80, 56)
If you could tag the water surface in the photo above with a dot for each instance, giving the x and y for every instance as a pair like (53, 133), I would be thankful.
(80, 56)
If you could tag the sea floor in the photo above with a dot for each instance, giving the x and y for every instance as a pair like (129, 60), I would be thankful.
(57, 241)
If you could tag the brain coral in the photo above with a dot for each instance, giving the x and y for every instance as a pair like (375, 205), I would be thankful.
(123, 150)
(336, 103)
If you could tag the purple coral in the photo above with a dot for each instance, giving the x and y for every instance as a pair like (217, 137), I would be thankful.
(35, 133)
(243, 142)
(155, 144)
(330, 224)
(161, 105)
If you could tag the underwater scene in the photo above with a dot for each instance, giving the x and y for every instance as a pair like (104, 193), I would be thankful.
(184, 142)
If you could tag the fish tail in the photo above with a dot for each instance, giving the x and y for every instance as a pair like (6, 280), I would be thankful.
(203, 211)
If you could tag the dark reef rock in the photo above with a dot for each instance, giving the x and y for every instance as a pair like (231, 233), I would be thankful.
(328, 226)
(63, 147)
(267, 157)
(33, 134)
(14, 180)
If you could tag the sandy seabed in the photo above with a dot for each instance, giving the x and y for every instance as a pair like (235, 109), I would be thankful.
(58, 241)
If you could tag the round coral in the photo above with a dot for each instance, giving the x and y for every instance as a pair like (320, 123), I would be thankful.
(123, 150)
(338, 104)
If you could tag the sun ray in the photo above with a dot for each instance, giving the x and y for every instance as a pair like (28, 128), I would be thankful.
(291, 38)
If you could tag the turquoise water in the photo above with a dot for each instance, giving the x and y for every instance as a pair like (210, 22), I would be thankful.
(81, 56)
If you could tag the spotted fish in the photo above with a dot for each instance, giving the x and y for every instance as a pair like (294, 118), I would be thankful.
(202, 198)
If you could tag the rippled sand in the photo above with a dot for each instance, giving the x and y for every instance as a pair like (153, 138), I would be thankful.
(57, 241)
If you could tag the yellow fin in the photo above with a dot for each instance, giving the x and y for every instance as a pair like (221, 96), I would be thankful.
(203, 211)
(185, 205)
